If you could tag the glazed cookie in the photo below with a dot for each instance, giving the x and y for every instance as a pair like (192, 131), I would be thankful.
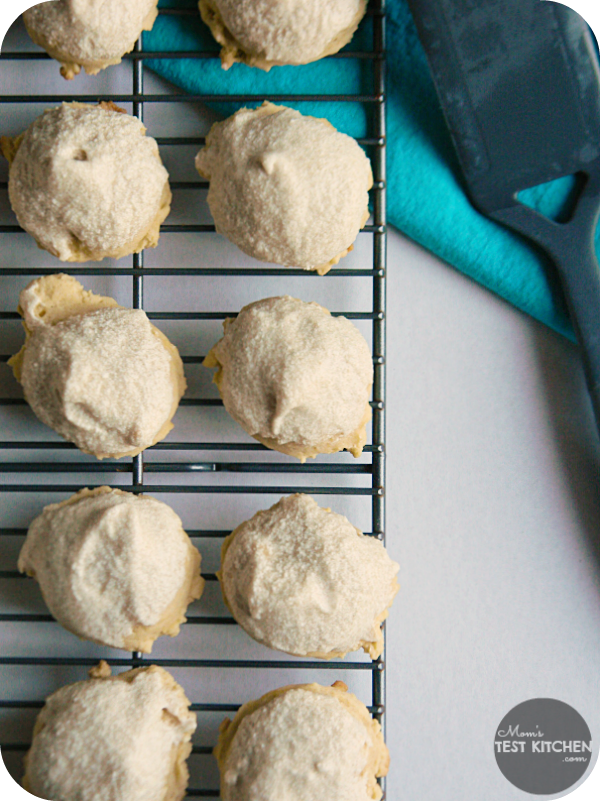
(302, 579)
(294, 377)
(92, 34)
(119, 738)
(100, 375)
(113, 567)
(87, 183)
(286, 188)
(263, 33)
(301, 743)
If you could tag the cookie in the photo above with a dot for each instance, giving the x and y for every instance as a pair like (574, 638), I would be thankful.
(92, 34)
(294, 377)
(263, 33)
(119, 738)
(100, 375)
(87, 183)
(302, 579)
(286, 188)
(113, 567)
(301, 743)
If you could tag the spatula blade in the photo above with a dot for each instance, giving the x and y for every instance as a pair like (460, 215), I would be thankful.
(519, 82)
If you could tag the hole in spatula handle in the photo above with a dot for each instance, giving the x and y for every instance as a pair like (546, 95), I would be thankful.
(556, 200)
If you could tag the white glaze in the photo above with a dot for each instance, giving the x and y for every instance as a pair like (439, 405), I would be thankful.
(90, 30)
(110, 739)
(293, 373)
(86, 178)
(302, 579)
(102, 380)
(107, 563)
(301, 746)
(286, 188)
(289, 31)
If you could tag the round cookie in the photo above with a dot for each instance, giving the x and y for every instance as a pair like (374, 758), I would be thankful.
(100, 375)
(87, 183)
(92, 34)
(294, 377)
(263, 33)
(286, 188)
(302, 579)
(119, 738)
(113, 567)
(301, 743)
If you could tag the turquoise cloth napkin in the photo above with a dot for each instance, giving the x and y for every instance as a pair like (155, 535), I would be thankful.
(425, 197)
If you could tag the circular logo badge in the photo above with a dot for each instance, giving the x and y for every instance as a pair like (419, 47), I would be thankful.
(543, 746)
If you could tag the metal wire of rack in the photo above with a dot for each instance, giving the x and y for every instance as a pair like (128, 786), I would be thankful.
(139, 466)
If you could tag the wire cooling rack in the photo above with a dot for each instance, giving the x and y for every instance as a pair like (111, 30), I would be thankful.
(53, 458)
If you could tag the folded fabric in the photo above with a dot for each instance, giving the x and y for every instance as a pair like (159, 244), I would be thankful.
(426, 200)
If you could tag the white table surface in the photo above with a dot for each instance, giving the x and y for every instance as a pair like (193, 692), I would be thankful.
(493, 503)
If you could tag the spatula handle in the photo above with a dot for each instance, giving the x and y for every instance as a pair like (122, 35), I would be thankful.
(571, 247)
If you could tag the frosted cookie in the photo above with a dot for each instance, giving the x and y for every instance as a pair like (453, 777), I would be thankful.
(100, 375)
(87, 183)
(92, 34)
(263, 33)
(113, 567)
(119, 738)
(302, 579)
(301, 743)
(294, 377)
(286, 188)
